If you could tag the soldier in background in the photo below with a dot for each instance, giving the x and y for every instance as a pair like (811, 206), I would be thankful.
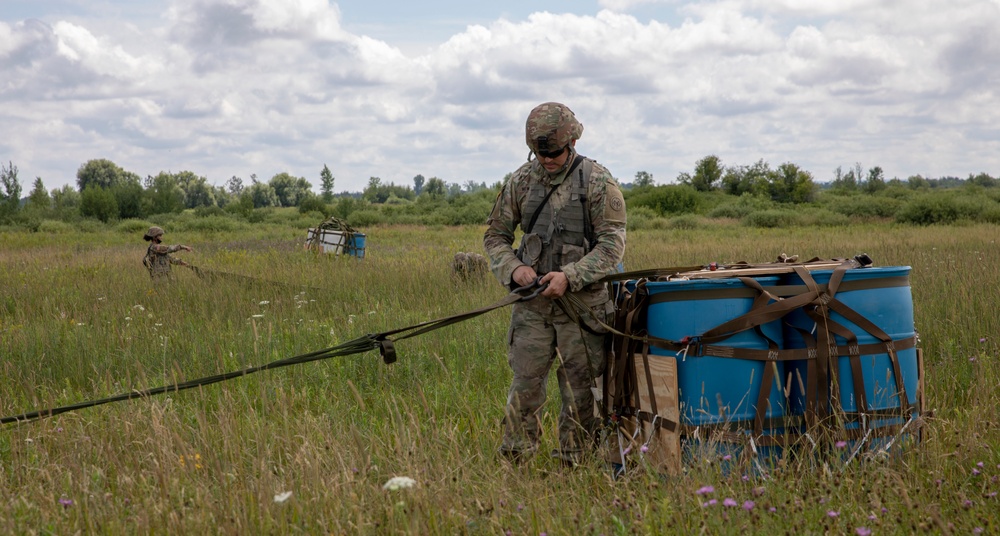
(158, 258)
(573, 216)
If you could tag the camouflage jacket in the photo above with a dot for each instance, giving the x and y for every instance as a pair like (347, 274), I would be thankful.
(606, 214)
(158, 259)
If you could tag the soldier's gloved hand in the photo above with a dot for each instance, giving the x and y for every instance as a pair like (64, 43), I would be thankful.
(557, 284)
(524, 275)
(187, 248)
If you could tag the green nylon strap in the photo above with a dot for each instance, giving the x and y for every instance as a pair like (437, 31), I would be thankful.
(782, 291)
(380, 341)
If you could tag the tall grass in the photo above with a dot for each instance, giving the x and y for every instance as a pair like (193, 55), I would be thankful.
(79, 319)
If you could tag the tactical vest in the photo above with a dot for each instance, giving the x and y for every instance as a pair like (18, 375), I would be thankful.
(158, 265)
(564, 236)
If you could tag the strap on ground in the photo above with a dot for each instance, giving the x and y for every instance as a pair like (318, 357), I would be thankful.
(381, 341)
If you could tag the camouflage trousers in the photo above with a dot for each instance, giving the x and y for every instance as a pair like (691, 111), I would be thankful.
(541, 335)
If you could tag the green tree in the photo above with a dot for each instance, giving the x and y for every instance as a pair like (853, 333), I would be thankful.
(289, 190)
(875, 182)
(234, 186)
(435, 188)
(129, 198)
(707, 173)
(326, 184)
(65, 201)
(102, 173)
(222, 197)
(262, 195)
(374, 193)
(418, 184)
(850, 181)
(984, 180)
(10, 197)
(643, 179)
(197, 191)
(791, 184)
(97, 202)
(754, 179)
(164, 195)
(39, 198)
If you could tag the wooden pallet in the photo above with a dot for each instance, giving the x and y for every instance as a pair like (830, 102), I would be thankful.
(754, 269)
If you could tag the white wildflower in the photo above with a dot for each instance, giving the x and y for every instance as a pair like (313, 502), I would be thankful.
(282, 497)
(128, 318)
(399, 482)
(265, 302)
(257, 316)
(139, 308)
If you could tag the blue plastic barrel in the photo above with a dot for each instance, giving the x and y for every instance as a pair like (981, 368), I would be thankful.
(356, 245)
(716, 390)
(881, 295)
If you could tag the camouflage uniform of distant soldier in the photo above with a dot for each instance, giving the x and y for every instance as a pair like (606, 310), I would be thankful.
(158, 258)
(577, 238)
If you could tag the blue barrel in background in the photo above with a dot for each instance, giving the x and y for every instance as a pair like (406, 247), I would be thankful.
(881, 295)
(716, 390)
(356, 245)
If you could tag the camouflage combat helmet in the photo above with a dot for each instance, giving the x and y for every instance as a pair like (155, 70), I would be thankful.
(551, 127)
(153, 232)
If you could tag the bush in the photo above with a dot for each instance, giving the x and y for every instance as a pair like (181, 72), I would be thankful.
(669, 199)
(823, 218)
(55, 227)
(948, 207)
(773, 218)
(257, 215)
(205, 211)
(133, 226)
(864, 206)
(99, 203)
(688, 222)
(742, 207)
(211, 224)
(90, 226)
(640, 218)
(365, 218)
(314, 203)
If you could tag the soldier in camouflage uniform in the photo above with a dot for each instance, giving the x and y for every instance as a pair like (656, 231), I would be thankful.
(577, 237)
(158, 258)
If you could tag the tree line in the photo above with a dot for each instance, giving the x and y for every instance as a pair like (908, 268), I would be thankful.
(107, 192)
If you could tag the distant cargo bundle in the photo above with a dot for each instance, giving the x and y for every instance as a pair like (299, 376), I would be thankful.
(335, 236)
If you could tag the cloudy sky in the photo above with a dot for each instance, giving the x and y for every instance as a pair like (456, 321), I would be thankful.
(393, 88)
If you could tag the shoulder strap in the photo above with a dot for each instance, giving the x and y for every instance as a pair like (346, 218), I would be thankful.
(538, 211)
(588, 225)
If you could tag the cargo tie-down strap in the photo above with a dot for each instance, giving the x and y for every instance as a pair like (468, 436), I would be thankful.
(382, 341)
(821, 352)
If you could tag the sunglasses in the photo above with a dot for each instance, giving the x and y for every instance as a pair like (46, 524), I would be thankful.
(551, 154)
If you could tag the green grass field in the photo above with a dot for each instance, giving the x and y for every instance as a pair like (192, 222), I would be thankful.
(80, 319)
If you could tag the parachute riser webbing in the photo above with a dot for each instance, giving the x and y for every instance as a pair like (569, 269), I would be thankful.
(380, 341)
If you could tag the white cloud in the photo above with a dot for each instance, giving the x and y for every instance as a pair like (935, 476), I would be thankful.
(625, 5)
(234, 87)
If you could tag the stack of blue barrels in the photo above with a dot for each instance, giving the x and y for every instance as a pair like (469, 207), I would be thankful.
(724, 392)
